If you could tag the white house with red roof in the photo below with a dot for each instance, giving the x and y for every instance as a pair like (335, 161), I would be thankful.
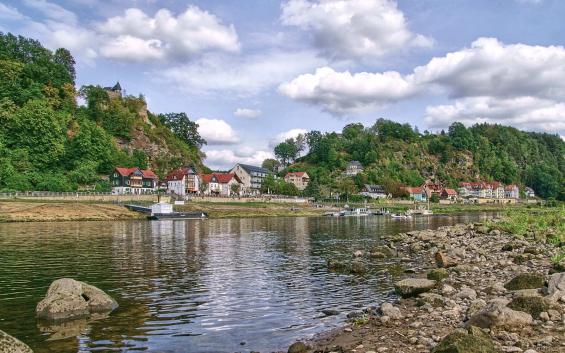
(482, 190)
(183, 181)
(133, 181)
(512, 191)
(222, 184)
(299, 179)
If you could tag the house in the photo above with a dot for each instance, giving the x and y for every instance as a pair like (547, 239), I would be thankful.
(482, 190)
(183, 181)
(133, 181)
(221, 184)
(374, 191)
(431, 189)
(417, 194)
(299, 179)
(511, 192)
(251, 177)
(529, 192)
(448, 194)
(353, 168)
(115, 91)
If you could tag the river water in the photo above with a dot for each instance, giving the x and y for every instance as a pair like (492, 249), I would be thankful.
(233, 285)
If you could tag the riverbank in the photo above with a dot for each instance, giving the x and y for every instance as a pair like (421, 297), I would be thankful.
(33, 211)
(473, 288)
(255, 209)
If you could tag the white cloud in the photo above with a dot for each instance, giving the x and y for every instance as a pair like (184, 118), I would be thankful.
(242, 76)
(52, 11)
(10, 13)
(523, 112)
(489, 78)
(247, 113)
(283, 136)
(225, 159)
(165, 35)
(217, 132)
(353, 28)
(343, 93)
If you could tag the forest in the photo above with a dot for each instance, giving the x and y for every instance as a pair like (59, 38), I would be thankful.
(395, 155)
(50, 142)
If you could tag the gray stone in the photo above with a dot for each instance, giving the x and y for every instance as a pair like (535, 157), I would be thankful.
(499, 316)
(69, 299)
(9, 344)
(387, 309)
(298, 347)
(413, 286)
(556, 286)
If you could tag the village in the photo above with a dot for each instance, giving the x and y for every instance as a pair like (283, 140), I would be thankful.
(248, 181)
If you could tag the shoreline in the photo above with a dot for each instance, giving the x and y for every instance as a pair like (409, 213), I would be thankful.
(13, 211)
(475, 286)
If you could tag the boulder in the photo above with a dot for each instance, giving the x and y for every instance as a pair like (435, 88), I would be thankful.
(532, 305)
(358, 267)
(336, 265)
(387, 309)
(413, 286)
(69, 299)
(556, 285)
(438, 274)
(471, 340)
(525, 281)
(9, 344)
(384, 250)
(466, 293)
(435, 300)
(298, 347)
(444, 261)
(500, 316)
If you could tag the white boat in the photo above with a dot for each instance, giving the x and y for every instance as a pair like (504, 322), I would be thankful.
(400, 216)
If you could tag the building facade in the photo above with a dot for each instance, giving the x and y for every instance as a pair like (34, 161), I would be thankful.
(353, 168)
(133, 181)
(222, 184)
(251, 177)
(374, 191)
(183, 181)
(511, 192)
(417, 194)
(299, 179)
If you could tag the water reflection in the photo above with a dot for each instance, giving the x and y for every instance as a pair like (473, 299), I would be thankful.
(193, 286)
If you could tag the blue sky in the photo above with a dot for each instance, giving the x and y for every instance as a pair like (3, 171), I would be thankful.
(253, 72)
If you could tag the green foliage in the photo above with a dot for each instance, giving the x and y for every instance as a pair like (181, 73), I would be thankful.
(278, 187)
(287, 151)
(48, 143)
(183, 128)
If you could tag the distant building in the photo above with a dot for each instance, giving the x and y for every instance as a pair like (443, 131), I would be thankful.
(511, 192)
(133, 181)
(482, 190)
(251, 177)
(529, 192)
(448, 194)
(299, 179)
(374, 191)
(221, 184)
(417, 194)
(431, 189)
(183, 181)
(353, 168)
(115, 91)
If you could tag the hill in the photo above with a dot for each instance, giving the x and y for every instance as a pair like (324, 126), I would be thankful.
(49, 142)
(395, 154)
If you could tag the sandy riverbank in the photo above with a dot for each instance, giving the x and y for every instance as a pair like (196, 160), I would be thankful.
(477, 290)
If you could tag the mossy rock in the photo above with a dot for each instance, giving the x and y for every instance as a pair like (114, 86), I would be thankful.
(472, 340)
(525, 281)
(433, 299)
(438, 274)
(520, 259)
(358, 268)
(336, 265)
(396, 270)
(508, 247)
(559, 267)
(531, 305)
(531, 250)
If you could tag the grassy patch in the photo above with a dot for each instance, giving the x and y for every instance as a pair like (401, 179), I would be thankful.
(549, 222)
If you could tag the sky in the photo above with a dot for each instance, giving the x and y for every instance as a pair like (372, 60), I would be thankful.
(255, 72)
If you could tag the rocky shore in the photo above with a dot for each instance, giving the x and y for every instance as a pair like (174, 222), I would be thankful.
(470, 289)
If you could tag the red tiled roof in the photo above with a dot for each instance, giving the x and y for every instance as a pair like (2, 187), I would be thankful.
(222, 178)
(298, 174)
(510, 187)
(147, 173)
(450, 192)
(411, 190)
(126, 171)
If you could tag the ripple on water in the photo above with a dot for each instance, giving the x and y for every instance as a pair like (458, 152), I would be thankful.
(187, 286)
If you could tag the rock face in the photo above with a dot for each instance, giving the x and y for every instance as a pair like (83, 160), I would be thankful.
(69, 299)
(413, 286)
(472, 340)
(9, 344)
(500, 316)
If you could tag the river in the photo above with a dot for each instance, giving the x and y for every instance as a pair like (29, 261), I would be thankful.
(230, 285)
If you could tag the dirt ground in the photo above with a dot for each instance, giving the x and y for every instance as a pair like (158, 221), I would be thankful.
(64, 211)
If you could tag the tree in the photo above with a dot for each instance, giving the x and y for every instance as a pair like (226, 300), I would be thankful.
(235, 188)
(183, 128)
(203, 187)
(286, 151)
(271, 164)
(64, 58)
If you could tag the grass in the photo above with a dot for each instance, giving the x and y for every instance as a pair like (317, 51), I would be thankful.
(545, 222)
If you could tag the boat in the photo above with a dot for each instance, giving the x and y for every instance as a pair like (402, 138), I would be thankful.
(421, 210)
(400, 216)
(355, 212)
(382, 212)
(178, 215)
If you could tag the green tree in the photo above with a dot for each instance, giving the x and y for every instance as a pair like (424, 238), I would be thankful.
(270, 164)
(183, 127)
(286, 151)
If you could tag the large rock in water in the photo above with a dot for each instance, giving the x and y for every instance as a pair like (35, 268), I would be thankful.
(9, 344)
(499, 316)
(413, 286)
(472, 340)
(69, 299)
